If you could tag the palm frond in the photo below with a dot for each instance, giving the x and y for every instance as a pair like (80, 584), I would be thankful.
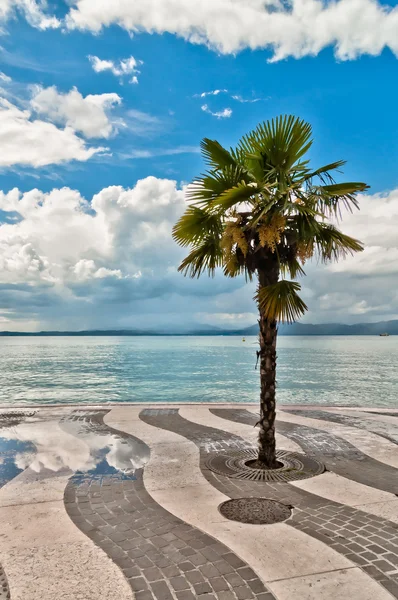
(195, 225)
(205, 257)
(280, 301)
(215, 155)
(324, 172)
(282, 141)
(331, 198)
(213, 184)
(332, 244)
(292, 267)
(242, 192)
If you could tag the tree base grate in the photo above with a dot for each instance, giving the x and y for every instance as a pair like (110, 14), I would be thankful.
(233, 464)
(256, 511)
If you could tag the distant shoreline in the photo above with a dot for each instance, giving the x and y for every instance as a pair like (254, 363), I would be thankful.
(189, 334)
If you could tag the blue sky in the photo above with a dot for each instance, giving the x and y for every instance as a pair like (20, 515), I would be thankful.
(345, 84)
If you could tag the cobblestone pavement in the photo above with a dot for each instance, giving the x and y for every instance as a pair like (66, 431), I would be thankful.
(162, 557)
(368, 541)
(339, 455)
(387, 430)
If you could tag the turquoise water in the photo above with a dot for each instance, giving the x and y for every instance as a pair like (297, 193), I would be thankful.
(311, 370)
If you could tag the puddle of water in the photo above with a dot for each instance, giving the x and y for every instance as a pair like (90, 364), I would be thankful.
(89, 450)
(12, 458)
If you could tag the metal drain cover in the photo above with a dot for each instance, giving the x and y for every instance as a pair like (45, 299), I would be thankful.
(256, 511)
(232, 463)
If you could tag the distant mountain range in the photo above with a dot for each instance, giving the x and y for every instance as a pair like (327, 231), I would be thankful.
(390, 327)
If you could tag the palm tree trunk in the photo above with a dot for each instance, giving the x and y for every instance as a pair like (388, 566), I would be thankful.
(268, 337)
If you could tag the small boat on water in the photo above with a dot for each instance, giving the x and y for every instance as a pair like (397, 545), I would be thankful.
(243, 340)
(384, 334)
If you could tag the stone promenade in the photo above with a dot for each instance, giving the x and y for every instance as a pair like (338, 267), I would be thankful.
(123, 501)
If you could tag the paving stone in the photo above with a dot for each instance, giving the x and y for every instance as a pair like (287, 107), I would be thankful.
(138, 583)
(179, 583)
(161, 591)
(185, 595)
(202, 588)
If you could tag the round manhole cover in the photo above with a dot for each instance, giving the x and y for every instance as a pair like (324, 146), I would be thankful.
(256, 511)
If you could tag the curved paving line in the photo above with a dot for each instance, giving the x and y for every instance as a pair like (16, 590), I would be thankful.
(389, 431)
(368, 541)
(338, 454)
(4, 589)
(161, 556)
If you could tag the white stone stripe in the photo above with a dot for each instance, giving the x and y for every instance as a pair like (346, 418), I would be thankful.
(336, 585)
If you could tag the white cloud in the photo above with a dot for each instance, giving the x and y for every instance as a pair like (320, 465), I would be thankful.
(5, 78)
(225, 113)
(212, 93)
(376, 225)
(34, 142)
(239, 98)
(294, 28)
(88, 115)
(162, 152)
(111, 262)
(112, 237)
(122, 68)
(361, 284)
(32, 10)
(68, 263)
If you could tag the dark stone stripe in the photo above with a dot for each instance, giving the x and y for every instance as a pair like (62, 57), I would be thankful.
(383, 414)
(368, 541)
(389, 431)
(160, 555)
(339, 455)
(4, 589)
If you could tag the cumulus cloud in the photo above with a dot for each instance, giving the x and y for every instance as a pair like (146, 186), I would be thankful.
(121, 68)
(360, 287)
(88, 115)
(61, 238)
(225, 113)
(33, 12)
(294, 28)
(70, 263)
(110, 262)
(25, 140)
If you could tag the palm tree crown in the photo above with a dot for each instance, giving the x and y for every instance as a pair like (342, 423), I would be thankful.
(259, 206)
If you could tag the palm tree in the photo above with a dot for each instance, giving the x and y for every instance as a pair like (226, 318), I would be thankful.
(261, 211)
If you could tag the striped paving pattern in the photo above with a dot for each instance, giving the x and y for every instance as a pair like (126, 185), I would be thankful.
(149, 505)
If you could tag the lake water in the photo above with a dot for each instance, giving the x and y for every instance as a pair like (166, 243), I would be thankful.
(355, 371)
